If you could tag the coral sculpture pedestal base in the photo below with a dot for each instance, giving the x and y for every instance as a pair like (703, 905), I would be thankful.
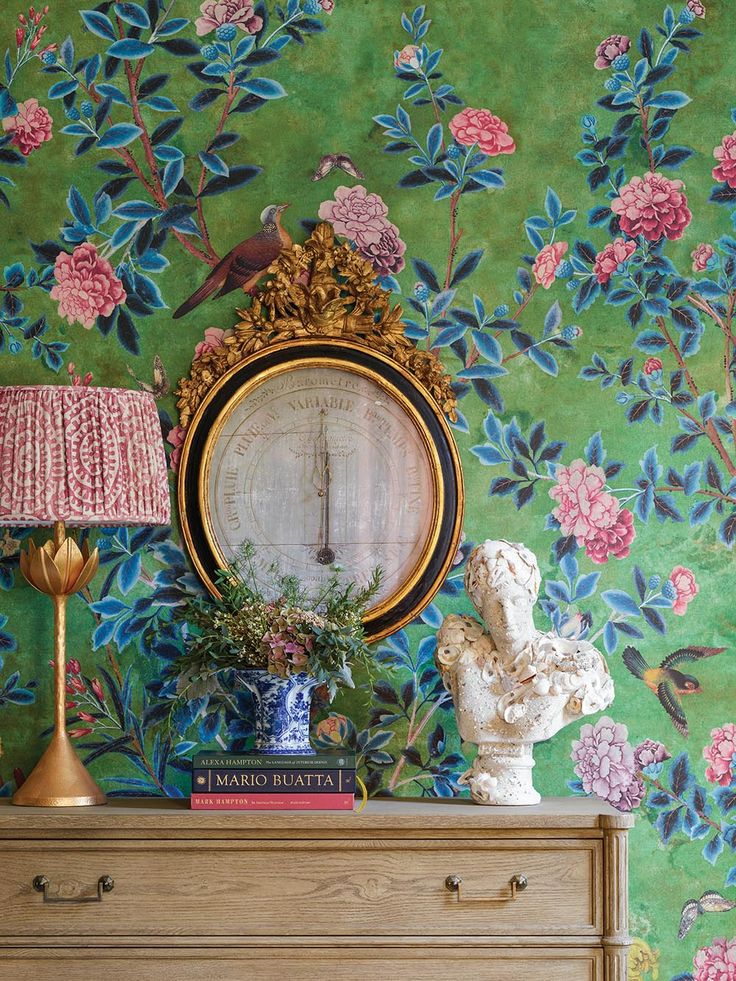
(502, 774)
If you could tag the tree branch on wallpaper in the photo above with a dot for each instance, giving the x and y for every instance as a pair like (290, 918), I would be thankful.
(455, 164)
(111, 100)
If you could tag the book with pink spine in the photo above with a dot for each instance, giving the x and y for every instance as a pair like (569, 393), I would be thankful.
(272, 802)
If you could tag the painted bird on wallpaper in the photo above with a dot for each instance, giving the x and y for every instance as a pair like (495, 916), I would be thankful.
(244, 265)
(709, 902)
(667, 683)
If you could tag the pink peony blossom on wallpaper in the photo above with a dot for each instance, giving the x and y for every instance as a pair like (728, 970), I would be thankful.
(610, 48)
(615, 540)
(356, 214)
(649, 752)
(720, 755)
(362, 217)
(685, 587)
(725, 154)
(652, 206)
(587, 511)
(610, 258)
(548, 259)
(717, 962)
(387, 254)
(30, 127)
(327, 5)
(479, 127)
(584, 505)
(86, 286)
(408, 57)
(697, 7)
(239, 13)
(701, 256)
(214, 337)
(604, 761)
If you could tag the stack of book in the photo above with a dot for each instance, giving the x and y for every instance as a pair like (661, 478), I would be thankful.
(253, 782)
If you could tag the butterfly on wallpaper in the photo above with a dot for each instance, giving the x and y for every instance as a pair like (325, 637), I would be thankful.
(709, 902)
(160, 386)
(332, 160)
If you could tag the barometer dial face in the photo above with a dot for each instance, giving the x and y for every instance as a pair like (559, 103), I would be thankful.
(318, 465)
(322, 452)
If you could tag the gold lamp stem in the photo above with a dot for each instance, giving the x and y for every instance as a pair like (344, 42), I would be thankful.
(59, 647)
(59, 779)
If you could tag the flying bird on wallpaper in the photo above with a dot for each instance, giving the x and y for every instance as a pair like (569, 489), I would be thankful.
(709, 902)
(332, 160)
(667, 683)
(244, 265)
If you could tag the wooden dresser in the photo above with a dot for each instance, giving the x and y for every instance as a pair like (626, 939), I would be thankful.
(149, 890)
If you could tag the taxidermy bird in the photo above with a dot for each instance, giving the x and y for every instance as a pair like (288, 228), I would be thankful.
(667, 683)
(244, 265)
(709, 902)
(332, 160)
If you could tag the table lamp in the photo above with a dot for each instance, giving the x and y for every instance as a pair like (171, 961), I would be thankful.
(84, 457)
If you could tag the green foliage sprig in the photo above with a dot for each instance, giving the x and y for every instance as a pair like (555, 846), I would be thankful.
(297, 631)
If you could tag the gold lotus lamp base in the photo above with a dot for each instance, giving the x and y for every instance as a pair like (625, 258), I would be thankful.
(59, 569)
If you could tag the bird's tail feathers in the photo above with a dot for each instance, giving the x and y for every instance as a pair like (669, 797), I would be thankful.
(635, 662)
(215, 279)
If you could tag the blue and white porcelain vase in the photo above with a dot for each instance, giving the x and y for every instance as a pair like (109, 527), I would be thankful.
(281, 711)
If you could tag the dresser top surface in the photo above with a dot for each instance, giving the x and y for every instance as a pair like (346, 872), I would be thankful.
(379, 814)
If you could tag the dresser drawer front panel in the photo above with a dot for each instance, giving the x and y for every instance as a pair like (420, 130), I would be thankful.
(307, 964)
(302, 888)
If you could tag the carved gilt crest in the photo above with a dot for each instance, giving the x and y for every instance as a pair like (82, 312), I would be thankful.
(318, 289)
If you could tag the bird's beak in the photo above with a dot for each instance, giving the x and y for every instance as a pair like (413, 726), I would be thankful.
(283, 207)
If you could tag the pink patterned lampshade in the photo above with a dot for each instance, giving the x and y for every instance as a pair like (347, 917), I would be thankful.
(84, 456)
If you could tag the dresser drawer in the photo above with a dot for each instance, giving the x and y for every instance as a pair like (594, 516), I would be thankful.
(307, 888)
(306, 964)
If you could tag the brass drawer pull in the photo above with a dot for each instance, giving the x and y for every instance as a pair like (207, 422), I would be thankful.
(104, 884)
(517, 883)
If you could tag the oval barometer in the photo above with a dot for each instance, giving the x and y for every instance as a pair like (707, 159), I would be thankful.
(318, 432)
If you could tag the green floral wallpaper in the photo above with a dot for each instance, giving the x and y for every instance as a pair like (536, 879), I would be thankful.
(549, 190)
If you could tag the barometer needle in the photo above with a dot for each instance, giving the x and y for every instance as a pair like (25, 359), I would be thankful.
(325, 555)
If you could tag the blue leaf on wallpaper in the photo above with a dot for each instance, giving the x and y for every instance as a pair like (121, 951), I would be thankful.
(264, 88)
(488, 346)
(461, 424)
(60, 89)
(129, 573)
(131, 49)
(713, 849)
(727, 530)
(432, 616)
(160, 103)
(552, 205)
(681, 776)
(466, 266)
(610, 640)
(133, 14)
(543, 359)
(98, 24)
(621, 602)
(669, 822)
(553, 318)
(77, 206)
(731, 876)
(586, 585)
(119, 135)
(173, 173)
(172, 26)
(668, 100)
